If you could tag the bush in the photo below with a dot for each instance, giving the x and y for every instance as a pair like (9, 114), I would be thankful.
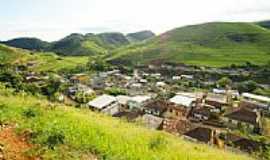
(29, 113)
(54, 139)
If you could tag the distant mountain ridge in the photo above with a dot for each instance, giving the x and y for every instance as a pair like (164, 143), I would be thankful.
(77, 44)
(140, 36)
(214, 44)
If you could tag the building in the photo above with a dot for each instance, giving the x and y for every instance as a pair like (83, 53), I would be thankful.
(156, 108)
(79, 78)
(201, 114)
(243, 144)
(201, 134)
(123, 100)
(216, 100)
(137, 102)
(244, 118)
(151, 121)
(184, 101)
(264, 101)
(102, 102)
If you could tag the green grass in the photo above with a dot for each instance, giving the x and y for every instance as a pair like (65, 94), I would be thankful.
(211, 44)
(45, 61)
(87, 132)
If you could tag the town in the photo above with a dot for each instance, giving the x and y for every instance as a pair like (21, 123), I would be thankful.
(158, 98)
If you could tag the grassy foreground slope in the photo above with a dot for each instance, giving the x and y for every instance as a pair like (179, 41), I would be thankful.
(210, 44)
(73, 133)
(42, 61)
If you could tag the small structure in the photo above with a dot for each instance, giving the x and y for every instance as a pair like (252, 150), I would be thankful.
(257, 98)
(244, 144)
(201, 134)
(102, 102)
(156, 108)
(244, 118)
(160, 84)
(201, 114)
(138, 102)
(188, 77)
(79, 78)
(123, 100)
(216, 100)
(151, 121)
(176, 78)
(184, 101)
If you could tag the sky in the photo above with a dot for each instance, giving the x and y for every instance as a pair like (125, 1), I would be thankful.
(51, 20)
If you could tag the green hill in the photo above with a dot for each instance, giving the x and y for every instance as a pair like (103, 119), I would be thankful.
(28, 43)
(43, 61)
(79, 44)
(210, 44)
(265, 24)
(140, 36)
(61, 132)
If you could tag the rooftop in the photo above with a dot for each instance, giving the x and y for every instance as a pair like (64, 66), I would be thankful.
(183, 100)
(200, 134)
(102, 101)
(244, 115)
(256, 97)
(140, 99)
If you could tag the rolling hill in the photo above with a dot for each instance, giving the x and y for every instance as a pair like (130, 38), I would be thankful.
(140, 36)
(210, 44)
(28, 43)
(43, 61)
(81, 45)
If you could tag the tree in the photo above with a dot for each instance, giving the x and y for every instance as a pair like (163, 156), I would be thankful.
(97, 64)
(247, 86)
(224, 82)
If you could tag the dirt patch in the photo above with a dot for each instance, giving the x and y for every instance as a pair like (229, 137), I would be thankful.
(13, 146)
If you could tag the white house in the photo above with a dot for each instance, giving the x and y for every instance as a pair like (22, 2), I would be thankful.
(103, 102)
(183, 101)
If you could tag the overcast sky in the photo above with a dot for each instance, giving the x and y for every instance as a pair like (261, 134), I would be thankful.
(53, 19)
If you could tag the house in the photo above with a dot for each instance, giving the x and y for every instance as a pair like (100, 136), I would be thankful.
(102, 102)
(79, 78)
(216, 100)
(156, 108)
(80, 88)
(232, 93)
(177, 127)
(201, 134)
(253, 105)
(201, 114)
(160, 84)
(243, 144)
(137, 102)
(244, 118)
(123, 100)
(188, 77)
(151, 121)
(176, 78)
(183, 101)
(265, 101)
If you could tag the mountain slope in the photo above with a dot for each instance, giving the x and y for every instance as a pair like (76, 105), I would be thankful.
(28, 43)
(140, 36)
(210, 44)
(61, 132)
(43, 61)
(79, 44)
(265, 24)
